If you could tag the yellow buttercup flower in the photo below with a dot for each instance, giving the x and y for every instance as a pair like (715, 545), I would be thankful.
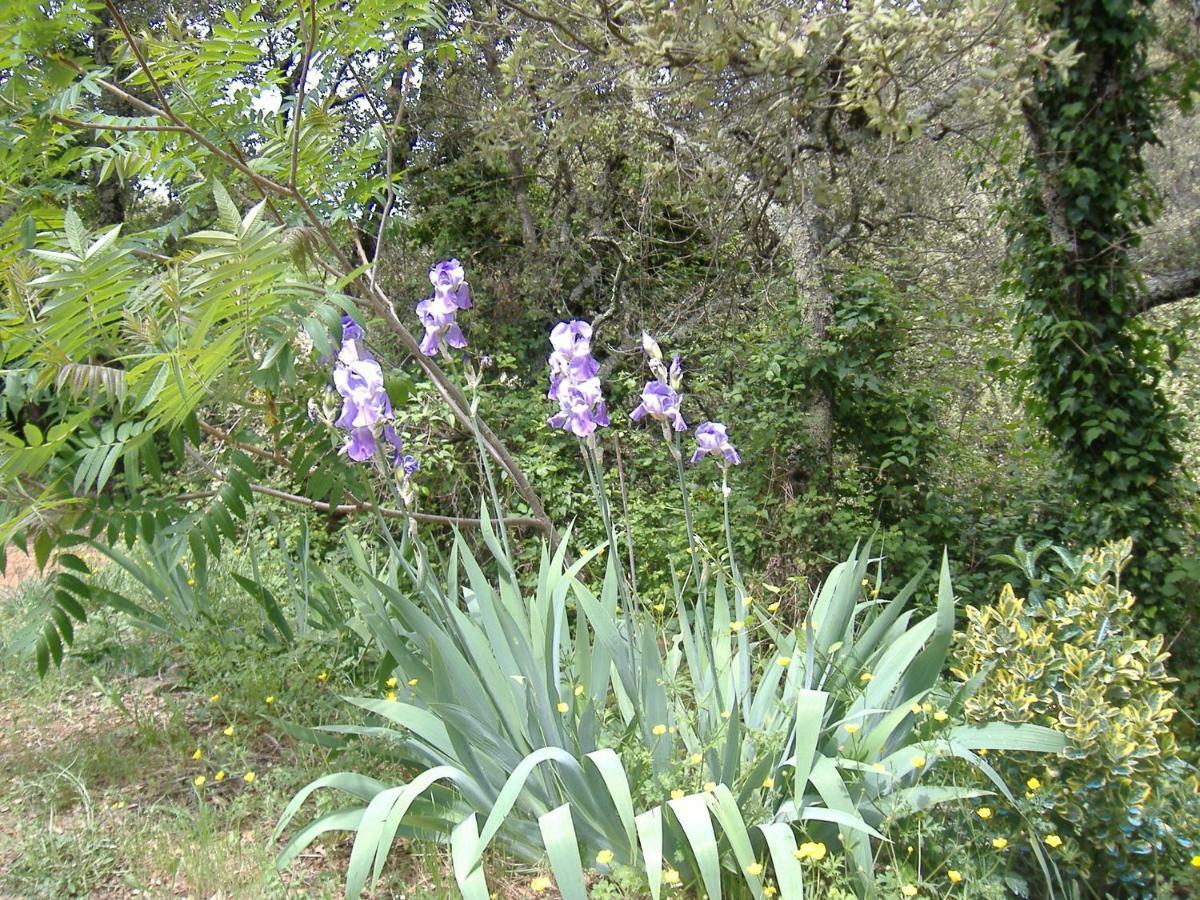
(660, 607)
(214, 698)
(248, 778)
(865, 677)
(324, 676)
(813, 850)
(220, 776)
(670, 876)
(735, 627)
(412, 682)
(852, 728)
(269, 700)
(1196, 861)
(391, 695)
(915, 709)
(659, 730)
(199, 754)
(909, 890)
(770, 891)
(604, 857)
(228, 731)
(393, 681)
(941, 716)
(695, 759)
(541, 883)
(784, 661)
(579, 690)
(754, 869)
(954, 875)
(677, 794)
(562, 707)
(999, 843)
(1053, 840)
(191, 582)
(199, 780)
(927, 708)
(768, 782)
(984, 812)
(710, 786)
(1033, 784)
(918, 761)
(773, 607)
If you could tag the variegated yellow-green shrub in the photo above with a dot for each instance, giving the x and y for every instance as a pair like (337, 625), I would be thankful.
(1120, 798)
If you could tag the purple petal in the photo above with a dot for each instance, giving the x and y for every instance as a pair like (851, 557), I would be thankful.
(361, 445)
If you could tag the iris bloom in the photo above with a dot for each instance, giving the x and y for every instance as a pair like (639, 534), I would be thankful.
(574, 382)
(450, 294)
(711, 437)
(660, 398)
(660, 402)
(366, 410)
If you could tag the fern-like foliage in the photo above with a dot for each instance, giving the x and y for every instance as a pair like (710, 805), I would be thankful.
(208, 303)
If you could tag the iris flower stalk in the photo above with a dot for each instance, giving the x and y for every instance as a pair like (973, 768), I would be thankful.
(712, 439)
(474, 378)
(575, 385)
(661, 401)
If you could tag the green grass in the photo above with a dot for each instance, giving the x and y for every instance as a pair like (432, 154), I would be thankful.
(97, 796)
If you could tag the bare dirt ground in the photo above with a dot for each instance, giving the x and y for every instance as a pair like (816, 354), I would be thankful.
(18, 567)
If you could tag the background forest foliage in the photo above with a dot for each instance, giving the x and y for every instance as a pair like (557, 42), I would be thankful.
(934, 265)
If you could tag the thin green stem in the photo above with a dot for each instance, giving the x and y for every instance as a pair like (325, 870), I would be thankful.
(593, 468)
(699, 616)
(677, 452)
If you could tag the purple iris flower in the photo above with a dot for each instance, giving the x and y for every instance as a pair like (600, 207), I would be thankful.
(366, 410)
(572, 356)
(351, 330)
(711, 437)
(660, 398)
(437, 315)
(360, 446)
(574, 382)
(447, 279)
(660, 402)
(581, 408)
(450, 294)
(410, 465)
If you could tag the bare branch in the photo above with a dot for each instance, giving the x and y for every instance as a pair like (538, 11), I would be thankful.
(350, 509)
(310, 39)
(1169, 288)
(556, 24)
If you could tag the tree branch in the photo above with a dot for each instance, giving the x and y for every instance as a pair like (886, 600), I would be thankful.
(350, 509)
(1169, 288)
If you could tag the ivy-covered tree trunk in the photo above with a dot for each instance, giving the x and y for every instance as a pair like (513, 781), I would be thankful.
(1094, 367)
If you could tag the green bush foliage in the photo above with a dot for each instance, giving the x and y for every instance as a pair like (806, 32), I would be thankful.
(1122, 797)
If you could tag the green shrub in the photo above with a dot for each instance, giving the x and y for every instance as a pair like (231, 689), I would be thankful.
(1121, 797)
